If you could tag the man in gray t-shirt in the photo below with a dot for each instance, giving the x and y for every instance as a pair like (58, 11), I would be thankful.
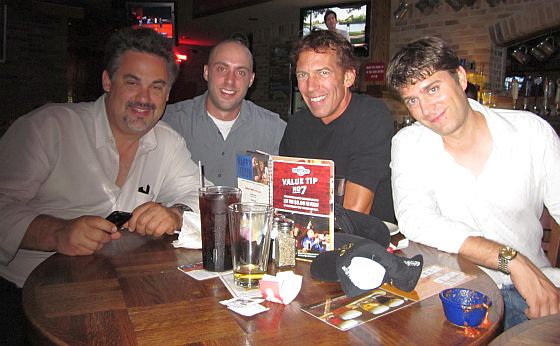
(221, 123)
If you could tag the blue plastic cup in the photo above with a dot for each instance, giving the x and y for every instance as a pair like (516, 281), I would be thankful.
(464, 307)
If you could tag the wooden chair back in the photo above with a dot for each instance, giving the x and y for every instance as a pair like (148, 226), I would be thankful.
(554, 244)
(551, 238)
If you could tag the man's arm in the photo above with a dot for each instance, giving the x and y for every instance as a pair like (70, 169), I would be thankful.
(180, 183)
(358, 198)
(182, 178)
(542, 297)
(368, 156)
(81, 236)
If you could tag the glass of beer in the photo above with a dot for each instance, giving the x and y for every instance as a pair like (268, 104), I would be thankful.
(250, 225)
(216, 246)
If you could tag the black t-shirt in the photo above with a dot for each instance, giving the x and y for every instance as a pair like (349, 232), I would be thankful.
(358, 141)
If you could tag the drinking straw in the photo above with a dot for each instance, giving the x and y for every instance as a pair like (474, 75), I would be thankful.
(201, 177)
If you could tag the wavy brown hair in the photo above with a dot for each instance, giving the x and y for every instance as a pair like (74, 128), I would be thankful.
(142, 40)
(419, 60)
(320, 41)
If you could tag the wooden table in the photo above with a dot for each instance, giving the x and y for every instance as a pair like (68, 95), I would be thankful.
(541, 331)
(132, 293)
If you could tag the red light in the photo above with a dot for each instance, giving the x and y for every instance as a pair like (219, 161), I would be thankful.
(181, 57)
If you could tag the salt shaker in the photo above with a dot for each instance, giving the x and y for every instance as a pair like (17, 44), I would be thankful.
(285, 245)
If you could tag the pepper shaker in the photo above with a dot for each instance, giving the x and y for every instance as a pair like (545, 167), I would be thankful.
(285, 245)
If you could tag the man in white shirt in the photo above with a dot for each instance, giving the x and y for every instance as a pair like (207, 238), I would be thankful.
(472, 180)
(65, 167)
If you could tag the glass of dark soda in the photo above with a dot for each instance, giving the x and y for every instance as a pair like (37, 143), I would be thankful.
(216, 242)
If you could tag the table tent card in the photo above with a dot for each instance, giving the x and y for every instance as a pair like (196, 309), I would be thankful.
(301, 189)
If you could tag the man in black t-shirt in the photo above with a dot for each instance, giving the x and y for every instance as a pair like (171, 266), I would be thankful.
(352, 130)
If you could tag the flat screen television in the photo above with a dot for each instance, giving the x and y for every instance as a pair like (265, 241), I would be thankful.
(159, 16)
(354, 17)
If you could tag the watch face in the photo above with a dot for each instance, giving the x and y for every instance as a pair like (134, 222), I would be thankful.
(508, 253)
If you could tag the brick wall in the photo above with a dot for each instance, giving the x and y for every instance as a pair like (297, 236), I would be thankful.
(468, 29)
(35, 69)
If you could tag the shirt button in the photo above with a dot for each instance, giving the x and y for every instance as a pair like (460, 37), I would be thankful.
(219, 175)
(223, 153)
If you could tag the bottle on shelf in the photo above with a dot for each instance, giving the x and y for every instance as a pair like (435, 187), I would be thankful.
(514, 91)
(546, 94)
(527, 88)
(538, 91)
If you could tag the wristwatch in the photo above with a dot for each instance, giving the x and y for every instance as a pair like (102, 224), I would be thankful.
(504, 257)
(181, 207)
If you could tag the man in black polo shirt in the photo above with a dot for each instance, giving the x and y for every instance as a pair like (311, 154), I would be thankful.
(352, 130)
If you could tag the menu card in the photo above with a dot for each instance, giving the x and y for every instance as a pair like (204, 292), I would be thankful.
(346, 313)
(299, 188)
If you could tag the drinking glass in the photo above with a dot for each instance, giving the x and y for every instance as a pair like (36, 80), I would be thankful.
(213, 203)
(250, 225)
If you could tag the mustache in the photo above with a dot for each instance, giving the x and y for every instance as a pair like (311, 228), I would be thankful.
(142, 105)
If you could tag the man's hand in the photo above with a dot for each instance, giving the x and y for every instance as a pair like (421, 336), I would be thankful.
(154, 219)
(81, 236)
(542, 297)
(85, 235)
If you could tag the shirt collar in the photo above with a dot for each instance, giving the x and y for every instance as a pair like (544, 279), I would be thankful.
(241, 117)
(501, 129)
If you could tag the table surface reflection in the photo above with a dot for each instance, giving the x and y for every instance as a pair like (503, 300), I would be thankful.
(132, 293)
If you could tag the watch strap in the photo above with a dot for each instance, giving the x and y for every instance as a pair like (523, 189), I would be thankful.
(505, 256)
(503, 264)
(181, 207)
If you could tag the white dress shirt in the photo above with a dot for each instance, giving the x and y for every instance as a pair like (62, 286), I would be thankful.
(61, 160)
(440, 203)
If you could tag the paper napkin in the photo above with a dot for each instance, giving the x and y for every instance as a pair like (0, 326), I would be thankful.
(189, 236)
(282, 288)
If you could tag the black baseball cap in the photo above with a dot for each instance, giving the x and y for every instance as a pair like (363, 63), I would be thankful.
(361, 265)
(361, 225)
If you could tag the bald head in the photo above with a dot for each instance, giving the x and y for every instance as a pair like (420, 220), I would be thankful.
(234, 44)
(229, 74)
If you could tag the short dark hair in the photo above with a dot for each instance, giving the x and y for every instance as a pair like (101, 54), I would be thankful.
(328, 13)
(419, 60)
(142, 40)
(320, 41)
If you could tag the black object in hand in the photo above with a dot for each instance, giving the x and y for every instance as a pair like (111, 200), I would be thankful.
(119, 218)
